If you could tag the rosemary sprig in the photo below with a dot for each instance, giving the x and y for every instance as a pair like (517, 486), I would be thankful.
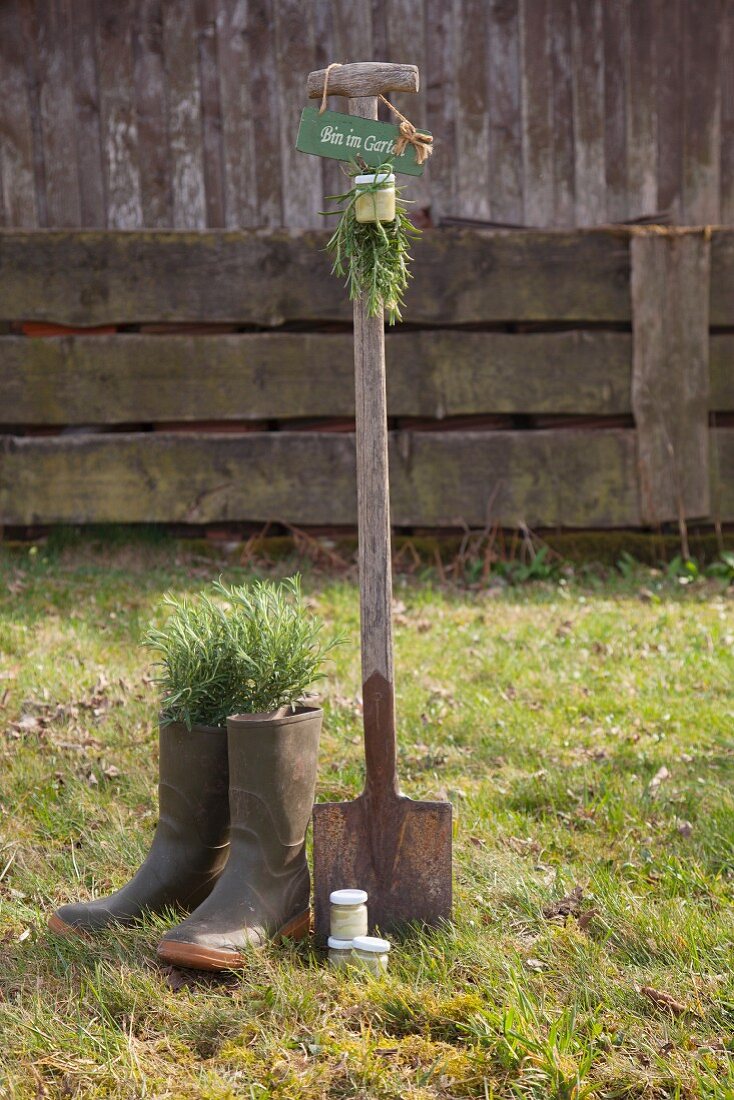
(373, 257)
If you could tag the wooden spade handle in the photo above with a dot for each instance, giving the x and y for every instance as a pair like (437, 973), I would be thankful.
(373, 512)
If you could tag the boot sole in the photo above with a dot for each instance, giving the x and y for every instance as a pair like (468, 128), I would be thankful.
(195, 957)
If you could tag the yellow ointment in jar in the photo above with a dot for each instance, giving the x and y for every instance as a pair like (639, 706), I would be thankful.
(348, 913)
(371, 953)
(375, 205)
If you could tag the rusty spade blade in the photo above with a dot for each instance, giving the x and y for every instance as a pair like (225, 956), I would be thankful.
(396, 849)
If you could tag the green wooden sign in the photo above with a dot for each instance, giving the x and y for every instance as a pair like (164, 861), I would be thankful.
(344, 137)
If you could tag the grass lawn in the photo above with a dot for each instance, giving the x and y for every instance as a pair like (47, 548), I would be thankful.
(583, 729)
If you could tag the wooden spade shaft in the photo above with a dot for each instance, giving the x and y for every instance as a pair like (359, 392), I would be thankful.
(396, 849)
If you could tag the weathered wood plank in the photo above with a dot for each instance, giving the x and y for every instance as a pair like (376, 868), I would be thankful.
(210, 64)
(296, 56)
(440, 90)
(721, 372)
(588, 112)
(114, 22)
(616, 85)
(537, 112)
(472, 197)
(505, 139)
(268, 277)
(543, 478)
(150, 91)
(57, 117)
(183, 99)
(264, 94)
(670, 109)
(275, 376)
(722, 482)
(406, 33)
(670, 379)
(726, 215)
(642, 134)
(702, 113)
(237, 119)
(16, 134)
(564, 166)
(722, 277)
(86, 124)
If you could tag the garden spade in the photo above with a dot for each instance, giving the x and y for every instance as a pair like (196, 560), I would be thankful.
(396, 849)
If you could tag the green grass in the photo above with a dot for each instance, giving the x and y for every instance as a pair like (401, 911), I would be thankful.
(546, 712)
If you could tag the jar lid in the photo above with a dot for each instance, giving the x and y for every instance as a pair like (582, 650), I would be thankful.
(370, 943)
(384, 177)
(339, 945)
(348, 897)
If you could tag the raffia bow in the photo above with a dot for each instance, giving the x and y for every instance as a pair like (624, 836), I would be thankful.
(422, 143)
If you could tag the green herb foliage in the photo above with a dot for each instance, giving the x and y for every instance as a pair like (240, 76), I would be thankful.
(373, 256)
(252, 650)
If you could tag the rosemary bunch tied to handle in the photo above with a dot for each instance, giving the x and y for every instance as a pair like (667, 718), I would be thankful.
(373, 257)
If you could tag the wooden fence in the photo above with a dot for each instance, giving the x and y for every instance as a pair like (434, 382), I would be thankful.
(182, 113)
(558, 379)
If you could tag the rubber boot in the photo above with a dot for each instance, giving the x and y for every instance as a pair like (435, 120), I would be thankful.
(264, 892)
(190, 845)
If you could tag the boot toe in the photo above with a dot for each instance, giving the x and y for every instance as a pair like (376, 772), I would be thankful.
(80, 919)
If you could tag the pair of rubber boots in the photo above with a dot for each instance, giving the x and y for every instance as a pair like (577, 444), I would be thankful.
(229, 847)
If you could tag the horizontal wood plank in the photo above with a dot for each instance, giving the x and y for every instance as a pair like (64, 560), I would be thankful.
(545, 478)
(253, 376)
(269, 277)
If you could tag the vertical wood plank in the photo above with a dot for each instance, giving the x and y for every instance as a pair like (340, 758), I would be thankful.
(407, 43)
(266, 112)
(670, 109)
(702, 113)
(439, 86)
(564, 164)
(537, 112)
(16, 141)
(670, 374)
(616, 85)
(28, 17)
(56, 104)
(184, 115)
(505, 141)
(472, 198)
(727, 115)
(150, 97)
(117, 110)
(642, 112)
(86, 116)
(238, 123)
(588, 109)
(302, 176)
(207, 13)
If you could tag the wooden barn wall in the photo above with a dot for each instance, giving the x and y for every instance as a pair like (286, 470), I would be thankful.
(124, 114)
(555, 379)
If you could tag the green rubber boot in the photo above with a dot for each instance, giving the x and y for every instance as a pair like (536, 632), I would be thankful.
(264, 892)
(190, 845)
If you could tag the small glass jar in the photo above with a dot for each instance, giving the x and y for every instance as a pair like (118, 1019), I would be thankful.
(340, 953)
(348, 913)
(371, 953)
(379, 205)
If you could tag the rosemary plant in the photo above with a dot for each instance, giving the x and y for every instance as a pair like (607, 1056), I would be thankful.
(372, 256)
(249, 649)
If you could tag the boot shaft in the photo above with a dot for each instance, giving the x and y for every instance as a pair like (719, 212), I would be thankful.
(272, 773)
(193, 783)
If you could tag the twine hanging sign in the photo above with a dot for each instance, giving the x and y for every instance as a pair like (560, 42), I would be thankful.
(346, 137)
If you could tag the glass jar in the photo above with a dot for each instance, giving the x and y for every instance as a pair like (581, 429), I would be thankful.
(348, 914)
(379, 205)
(340, 953)
(371, 953)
